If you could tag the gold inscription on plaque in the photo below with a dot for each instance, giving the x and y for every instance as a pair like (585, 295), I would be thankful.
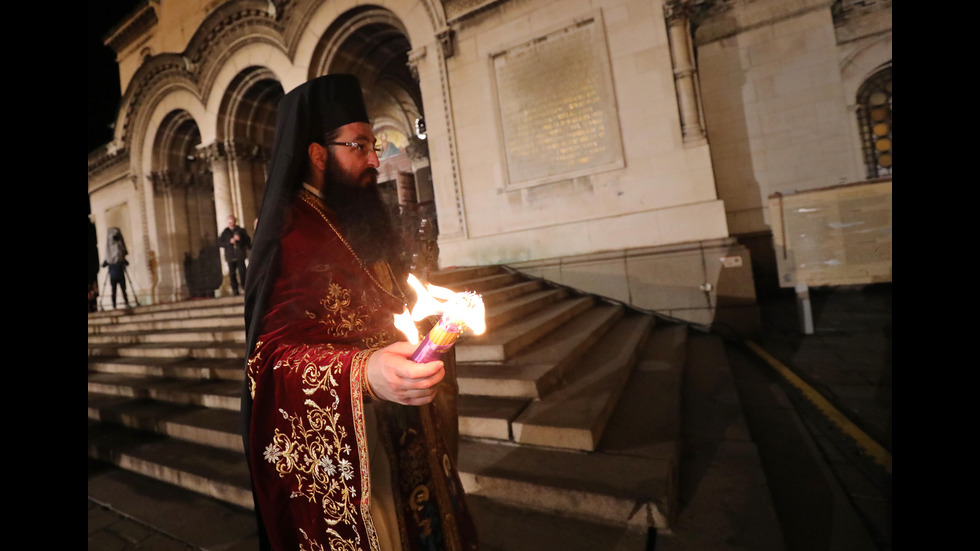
(556, 107)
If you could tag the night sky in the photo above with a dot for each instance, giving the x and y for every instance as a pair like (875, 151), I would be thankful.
(103, 73)
(103, 92)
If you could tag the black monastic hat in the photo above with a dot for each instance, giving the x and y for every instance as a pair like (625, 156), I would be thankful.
(326, 103)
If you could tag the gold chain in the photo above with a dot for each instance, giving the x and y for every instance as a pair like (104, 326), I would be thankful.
(317, 204)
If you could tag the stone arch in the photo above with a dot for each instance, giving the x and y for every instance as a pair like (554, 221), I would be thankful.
(167, 122)
(246, 123)
(863, 61)
(245, 56)
(332, 27)
(230, 28)
(372, 42)
(182, 199)
(156, 73)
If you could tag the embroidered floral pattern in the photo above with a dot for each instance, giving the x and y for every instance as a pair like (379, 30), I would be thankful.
(337, 543)
(254, 363)
(379, 340)
(340, 319)
(313, 448)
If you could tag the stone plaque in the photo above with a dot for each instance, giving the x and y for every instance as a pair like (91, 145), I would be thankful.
(556, 108)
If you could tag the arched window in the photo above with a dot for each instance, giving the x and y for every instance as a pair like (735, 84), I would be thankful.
(874, 111)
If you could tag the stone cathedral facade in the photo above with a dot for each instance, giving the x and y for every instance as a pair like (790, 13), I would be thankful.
(627, 148)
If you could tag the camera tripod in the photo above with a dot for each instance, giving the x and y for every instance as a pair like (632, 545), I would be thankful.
(132, 287)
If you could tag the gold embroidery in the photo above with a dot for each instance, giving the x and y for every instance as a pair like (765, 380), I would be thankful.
(253, 364)
(378, 340)
(337, 543)
(358, 366)
(315, 448)
(341, 321)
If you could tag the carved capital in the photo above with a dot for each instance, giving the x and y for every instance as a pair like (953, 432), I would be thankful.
(167, 180)
(691, 10)
(446, 37)
(240, 150)
(212, 152)
(160, 179)
(414, 56)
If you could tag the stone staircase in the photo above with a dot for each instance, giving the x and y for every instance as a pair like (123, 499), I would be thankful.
(569, 405)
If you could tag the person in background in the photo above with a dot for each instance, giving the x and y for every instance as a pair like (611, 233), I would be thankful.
(236, 243)
(116, 262)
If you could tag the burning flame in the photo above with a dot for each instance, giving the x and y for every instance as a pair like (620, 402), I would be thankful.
(462, 309)
(404, 323)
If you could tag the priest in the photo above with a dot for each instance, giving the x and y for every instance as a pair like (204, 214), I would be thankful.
(350, 444)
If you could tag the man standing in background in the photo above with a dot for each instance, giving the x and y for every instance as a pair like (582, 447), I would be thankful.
(236, 243)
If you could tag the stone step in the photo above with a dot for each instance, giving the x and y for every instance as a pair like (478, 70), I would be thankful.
(487, 284)
(500, 314)
(537, 369)
(126, 499)
(646, 421)
(211, 334)
(176, 310)
(166, 407)
(505, 342)
(511, 291)
(217, 394)
(574, 415)
(207, 470)
(647, 418)
(487, 416)
(611, 488)
(451, 277)
(226, 322)
(229, 369)
(172, 351)
(206, 523)
(201, 425)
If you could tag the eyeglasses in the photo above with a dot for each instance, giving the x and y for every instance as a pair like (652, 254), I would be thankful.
(361, 148)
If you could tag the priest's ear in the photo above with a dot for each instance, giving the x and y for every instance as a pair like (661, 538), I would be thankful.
(318, 155)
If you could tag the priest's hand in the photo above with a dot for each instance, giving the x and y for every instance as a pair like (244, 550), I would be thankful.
(395, 378)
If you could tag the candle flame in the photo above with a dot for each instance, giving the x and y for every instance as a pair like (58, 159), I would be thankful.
(463, 309)
(405, 324)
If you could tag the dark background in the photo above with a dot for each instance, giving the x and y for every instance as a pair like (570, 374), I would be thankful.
(103, 95)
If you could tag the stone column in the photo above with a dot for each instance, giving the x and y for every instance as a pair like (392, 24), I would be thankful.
(685, 71)
(428, 65)
(245, 171)
(217, 157)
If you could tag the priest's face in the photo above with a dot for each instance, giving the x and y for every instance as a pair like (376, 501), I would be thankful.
(353, 165)
(350, 190)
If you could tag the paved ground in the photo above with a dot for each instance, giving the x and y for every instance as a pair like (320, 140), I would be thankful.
(846, 362)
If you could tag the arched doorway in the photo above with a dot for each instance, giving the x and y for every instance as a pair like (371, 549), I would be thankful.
(247, 124)
(183, 193)
(372, 43)
(245, 131)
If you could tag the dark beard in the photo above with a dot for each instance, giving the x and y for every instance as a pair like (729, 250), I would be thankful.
(364, 219)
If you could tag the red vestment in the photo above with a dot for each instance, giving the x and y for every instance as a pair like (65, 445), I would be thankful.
(307, 439)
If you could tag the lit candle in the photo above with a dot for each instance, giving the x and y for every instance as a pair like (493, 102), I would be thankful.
(459, 311)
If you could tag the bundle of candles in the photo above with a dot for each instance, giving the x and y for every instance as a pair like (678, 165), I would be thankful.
(458, 312)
